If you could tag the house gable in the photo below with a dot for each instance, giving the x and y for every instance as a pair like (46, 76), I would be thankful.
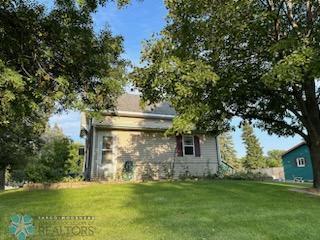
(291, 166)
(130, 115)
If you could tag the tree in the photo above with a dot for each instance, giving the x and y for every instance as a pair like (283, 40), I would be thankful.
(51, 60)
(55, 158)
(258, 60)
(274, 158)
(21, 122)
(75, 161)
(51, 163)
(254, 158)
(228, 153)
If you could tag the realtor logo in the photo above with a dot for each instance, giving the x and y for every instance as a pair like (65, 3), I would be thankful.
(21, 226)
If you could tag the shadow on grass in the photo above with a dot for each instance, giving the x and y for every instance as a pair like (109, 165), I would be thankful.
(219, 210)
(43, 206)
(224, 210)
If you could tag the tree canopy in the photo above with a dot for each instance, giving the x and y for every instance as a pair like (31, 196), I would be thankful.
(255, 59)
(274, 158)
(51, 60)
(60, 59)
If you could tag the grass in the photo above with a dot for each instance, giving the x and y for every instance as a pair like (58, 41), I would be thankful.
(218, 210)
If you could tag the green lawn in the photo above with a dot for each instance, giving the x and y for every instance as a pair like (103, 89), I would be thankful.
(181, 210)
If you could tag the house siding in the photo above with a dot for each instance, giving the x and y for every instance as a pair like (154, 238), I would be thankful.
(291, 170)
(117, 122)
(153, 154)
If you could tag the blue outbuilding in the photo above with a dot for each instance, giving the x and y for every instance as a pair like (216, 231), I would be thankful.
(297, 163)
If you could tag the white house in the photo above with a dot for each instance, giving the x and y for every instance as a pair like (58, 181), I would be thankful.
(129, 143)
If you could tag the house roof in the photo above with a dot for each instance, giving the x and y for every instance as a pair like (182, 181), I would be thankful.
(293, 148)
(131, 103)
(128, 105)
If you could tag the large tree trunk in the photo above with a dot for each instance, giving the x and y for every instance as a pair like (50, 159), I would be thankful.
(2, 178)
(311, 117)
(315, 156)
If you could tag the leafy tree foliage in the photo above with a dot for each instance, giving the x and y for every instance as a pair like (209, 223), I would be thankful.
(255, 59)
(227, 150)
(59, 57)
(75, 161)
(254, 158)
(21, 122)
(55, 160)
(274, 158)
(50, 60)
(91, 5)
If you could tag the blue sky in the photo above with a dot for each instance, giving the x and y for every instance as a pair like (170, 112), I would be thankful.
(136, 23)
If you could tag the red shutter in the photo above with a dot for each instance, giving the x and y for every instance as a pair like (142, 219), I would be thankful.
(197, 146)
(179, 146)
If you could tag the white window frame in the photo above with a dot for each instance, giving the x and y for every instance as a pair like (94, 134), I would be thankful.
(105, 149)
(183, 146)
(301, 162)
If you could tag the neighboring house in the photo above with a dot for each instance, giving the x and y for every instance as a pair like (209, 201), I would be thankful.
(129, 143)
(226, 167)
(297, 163)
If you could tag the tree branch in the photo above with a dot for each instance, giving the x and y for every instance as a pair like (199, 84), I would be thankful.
(25, 71)
(309, 16)
(298, 115)
(45, 72)
(264, 3)
(309, 11)
(272, 121)
(290, 16)
(271, 5)
(283, 124)
(297, 94)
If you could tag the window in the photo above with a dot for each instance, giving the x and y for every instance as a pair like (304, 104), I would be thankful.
(188, 145)
(81, 151)
(107, 143)
(301, 162)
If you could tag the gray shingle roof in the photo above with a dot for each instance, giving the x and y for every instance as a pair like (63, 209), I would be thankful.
(131, 103)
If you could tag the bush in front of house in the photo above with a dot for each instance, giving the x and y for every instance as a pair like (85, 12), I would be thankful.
(248, 176)
(51, 163)
(15, 178)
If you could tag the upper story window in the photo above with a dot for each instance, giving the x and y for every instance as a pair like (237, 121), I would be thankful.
(301, 162)
(188, 145)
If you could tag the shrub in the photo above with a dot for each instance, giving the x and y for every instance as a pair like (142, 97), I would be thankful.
(75, 161)
(73, 179)
(52, 163)
(17, 176)
(57, 159)
(248, 176)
